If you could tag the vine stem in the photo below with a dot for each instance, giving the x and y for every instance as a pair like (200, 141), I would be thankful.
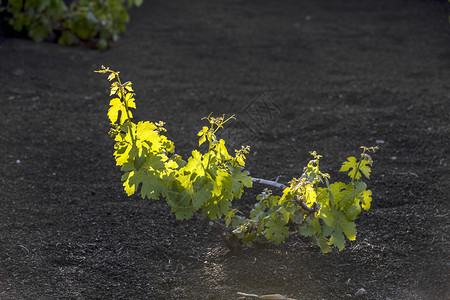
(269, 182)
(311, 210)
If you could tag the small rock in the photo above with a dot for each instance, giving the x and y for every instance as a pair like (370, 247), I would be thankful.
(360, 292)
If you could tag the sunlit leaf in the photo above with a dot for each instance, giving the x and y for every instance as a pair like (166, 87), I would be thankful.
(366, 199)
(111, 76)
(355, 167)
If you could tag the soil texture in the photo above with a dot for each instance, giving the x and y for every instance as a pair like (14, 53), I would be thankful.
(335, 75)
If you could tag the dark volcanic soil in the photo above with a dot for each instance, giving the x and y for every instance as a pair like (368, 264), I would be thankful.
(341, 74)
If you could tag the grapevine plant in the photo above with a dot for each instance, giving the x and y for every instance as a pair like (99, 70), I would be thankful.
(207, 182)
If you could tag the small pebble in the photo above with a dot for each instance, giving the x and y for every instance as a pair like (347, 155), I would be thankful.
(360, 292)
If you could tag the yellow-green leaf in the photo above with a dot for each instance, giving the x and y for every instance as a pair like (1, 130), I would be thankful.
(202, 134)
(147, 131)
(366, 199)
(347, 227)
(337, 239)
(114, 88)
(129, 100)
(351, 165)
(111, 76)
(115, 107)
(365, 169)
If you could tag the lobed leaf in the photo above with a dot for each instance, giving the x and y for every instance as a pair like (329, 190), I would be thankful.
(275, 230)
(356, 167)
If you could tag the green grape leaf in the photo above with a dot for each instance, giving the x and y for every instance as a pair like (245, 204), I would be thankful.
(273, 202)
(240, 178)
(337, 239)
(238, 221)
(349, 164)
(285, 211)
(306, 229)
(139, 160)
(148, 175)
(202, 191)
(321, 242)
(336, 189)
(194, 164)
(310, 227)
(222, 151)
(346, 226)
(122, 152)
(180, 203)
(229, 216)
(358, 187)
(114, 88)
(116, 107)
(349, 194)
(328, 214)
(212, 209)
(354, 194)
(202, 134)
(129, 189)
(129, 100)
(343, 226)
(327, 230)
(352, 164)
(152, 186)
(366, 199)
(147, 131)
(220, 200)
(249, 238)
(276, 230)
(258, 212)
(245, 178)
(310, 195)
(128, 86)
(216, 207)
(223, 184)
(353, 211)
(365, 169)
(349, 229)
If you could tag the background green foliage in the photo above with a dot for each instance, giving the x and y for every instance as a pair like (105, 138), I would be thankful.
(96, 22)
